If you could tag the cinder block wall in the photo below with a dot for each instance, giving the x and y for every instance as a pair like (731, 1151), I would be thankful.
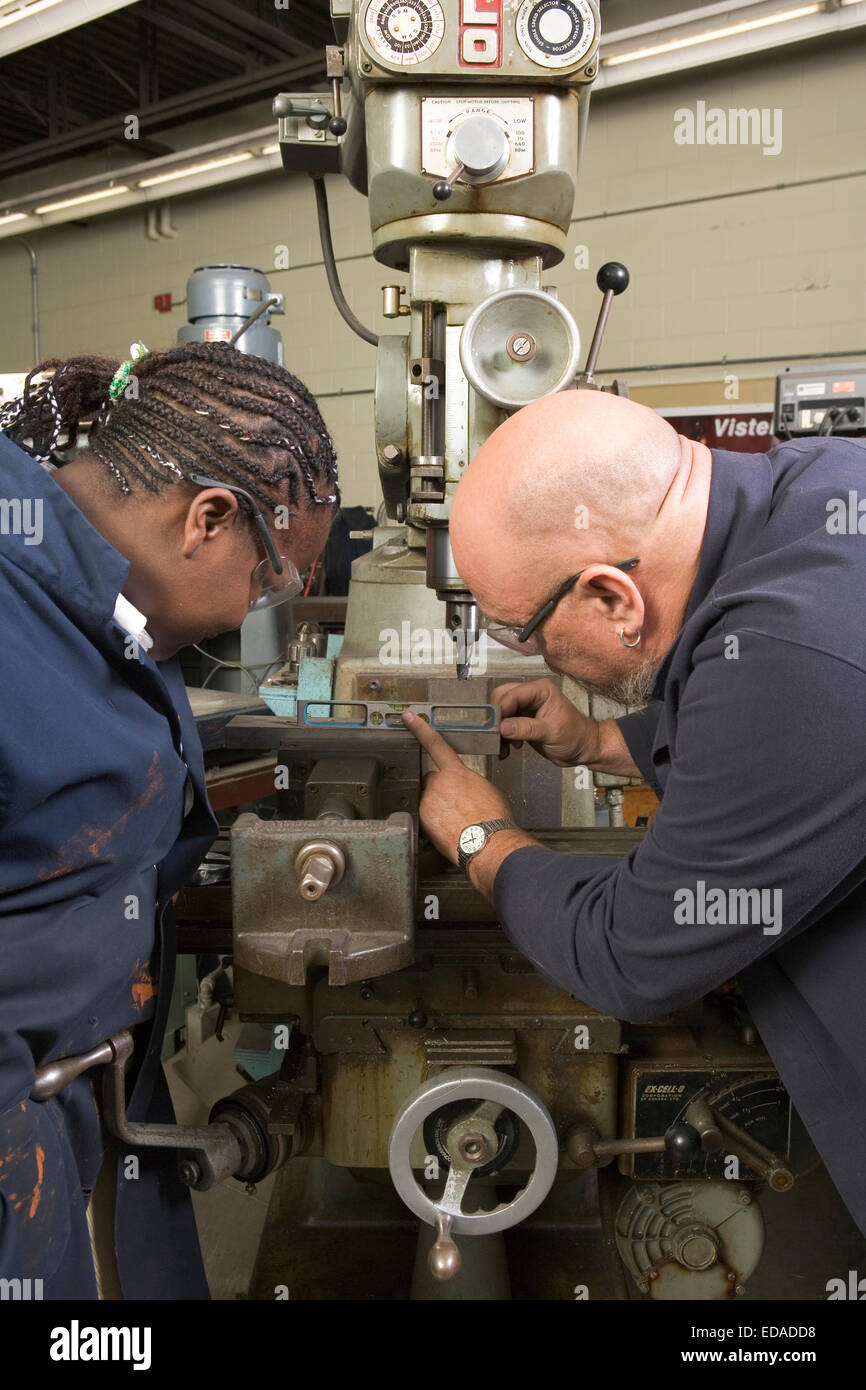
(734, 254)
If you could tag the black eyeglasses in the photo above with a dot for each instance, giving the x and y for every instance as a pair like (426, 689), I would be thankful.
(520, 639)
(265, 589)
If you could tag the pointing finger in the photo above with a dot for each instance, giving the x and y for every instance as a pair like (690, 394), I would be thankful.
(441, 752)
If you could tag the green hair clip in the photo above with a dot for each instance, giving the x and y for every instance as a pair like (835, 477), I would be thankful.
(121, 376)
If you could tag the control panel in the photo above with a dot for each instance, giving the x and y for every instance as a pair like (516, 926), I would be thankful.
(821, 400)
(405, 39)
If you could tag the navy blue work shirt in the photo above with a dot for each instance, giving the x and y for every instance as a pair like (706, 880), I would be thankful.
(755, 739)
(99, 759)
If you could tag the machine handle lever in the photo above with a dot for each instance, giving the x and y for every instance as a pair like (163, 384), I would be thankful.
(334, 65)
(318, 117)
(53, 1077)
(748, 1150)
(612, 279)
(703, 1130)
(209, 1152)
(444, 1259)
(442, 190)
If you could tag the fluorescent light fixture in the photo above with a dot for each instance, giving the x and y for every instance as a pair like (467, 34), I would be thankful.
(271, 149)
(26, 22)
(26, 12)
(214, 167)
(194, 169)
(83, 198)
(747, 25)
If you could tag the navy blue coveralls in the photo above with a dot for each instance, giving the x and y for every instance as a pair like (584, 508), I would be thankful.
(99, 756)
(755, 739)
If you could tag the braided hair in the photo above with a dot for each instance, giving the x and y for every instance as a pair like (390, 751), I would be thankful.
(198, 407)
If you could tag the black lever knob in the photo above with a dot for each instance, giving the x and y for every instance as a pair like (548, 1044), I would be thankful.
(442, 190)
(612, 279)
(612, 276)
(683, 1142)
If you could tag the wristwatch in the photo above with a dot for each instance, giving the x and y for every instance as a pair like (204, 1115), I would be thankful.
(474, 837)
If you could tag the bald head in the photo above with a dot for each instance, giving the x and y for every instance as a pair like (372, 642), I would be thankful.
(581, 472)
(578, 483)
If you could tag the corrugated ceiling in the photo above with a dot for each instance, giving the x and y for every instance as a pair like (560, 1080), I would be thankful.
(164, 60)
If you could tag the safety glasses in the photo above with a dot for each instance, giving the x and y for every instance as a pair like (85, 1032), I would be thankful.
(274, 579)
(522, 639)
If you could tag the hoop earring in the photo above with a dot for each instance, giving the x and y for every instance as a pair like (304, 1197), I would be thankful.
(624, 642)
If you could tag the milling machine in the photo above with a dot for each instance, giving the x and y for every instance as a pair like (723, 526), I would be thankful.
(430, 1082)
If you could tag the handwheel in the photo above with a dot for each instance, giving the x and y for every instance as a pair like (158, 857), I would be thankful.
(473, 1140)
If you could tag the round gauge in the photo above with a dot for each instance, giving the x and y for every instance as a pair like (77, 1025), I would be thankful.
(555, 33)
(405, 32)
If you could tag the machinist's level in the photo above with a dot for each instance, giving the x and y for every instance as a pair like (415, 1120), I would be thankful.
(329, 728)
(381, 714)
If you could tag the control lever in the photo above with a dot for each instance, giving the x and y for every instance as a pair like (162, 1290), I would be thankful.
(702, 1131)
(317, 117)
(53, 1077)
(444, 1260)
(480, 148)
(612, 279)
(442, 190)
(747, 1149)
(334, 68)
(586, 1149)
(239, 1146)
(209, 1152)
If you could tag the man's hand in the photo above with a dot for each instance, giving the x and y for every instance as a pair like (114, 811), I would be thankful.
(537, 712)
(452, 798)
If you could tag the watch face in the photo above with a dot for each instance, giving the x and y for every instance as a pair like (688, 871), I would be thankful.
(472, 839)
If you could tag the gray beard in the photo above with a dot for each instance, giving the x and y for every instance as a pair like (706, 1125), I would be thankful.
(631, 690)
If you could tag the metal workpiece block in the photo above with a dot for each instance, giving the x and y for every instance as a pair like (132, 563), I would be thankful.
(359, 925)
(355, 781)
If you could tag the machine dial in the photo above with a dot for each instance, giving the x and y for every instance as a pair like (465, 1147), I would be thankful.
(481, 146)
(556, 33)
(405, 32)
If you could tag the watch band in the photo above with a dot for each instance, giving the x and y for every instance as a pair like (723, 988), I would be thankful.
(489, 827)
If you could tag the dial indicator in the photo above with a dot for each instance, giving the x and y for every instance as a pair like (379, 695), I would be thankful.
(404, 32)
